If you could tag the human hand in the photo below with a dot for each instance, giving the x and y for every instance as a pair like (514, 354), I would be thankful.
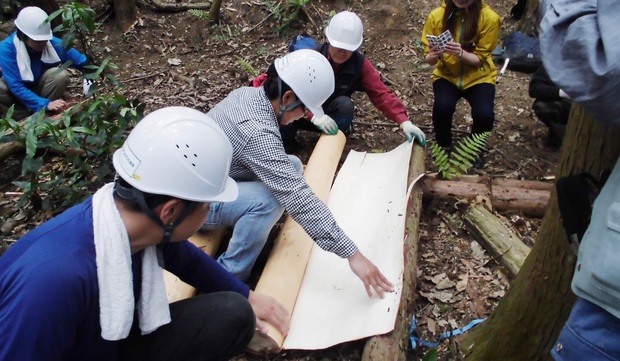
(267, 309)
(370, 275)
(453, 48)
(57, 105)
(325, 123)
(411, 131)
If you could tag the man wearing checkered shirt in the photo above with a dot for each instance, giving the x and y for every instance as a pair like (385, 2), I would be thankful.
(269, 180)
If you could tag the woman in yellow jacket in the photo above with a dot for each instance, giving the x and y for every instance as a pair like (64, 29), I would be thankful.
(464, 67)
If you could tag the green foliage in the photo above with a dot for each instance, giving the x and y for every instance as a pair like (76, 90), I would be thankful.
(85, 135)
(461, 158)
(201, 14)
(431, 355)
(287, 14)
(247, 66)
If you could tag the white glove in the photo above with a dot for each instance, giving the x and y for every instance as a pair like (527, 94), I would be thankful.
(563, 94)
(325, 123)
(86, 86)
(411, 131)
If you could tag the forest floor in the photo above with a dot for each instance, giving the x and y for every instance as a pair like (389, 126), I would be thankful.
(176, 59)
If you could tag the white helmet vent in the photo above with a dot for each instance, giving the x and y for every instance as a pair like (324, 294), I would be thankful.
(188, 157)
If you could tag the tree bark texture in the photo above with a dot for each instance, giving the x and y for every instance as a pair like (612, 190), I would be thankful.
(527, 321)
(530, 19)
(214, 12)
(498, 239)
(530, 197)
(125, 14)
(393, 346)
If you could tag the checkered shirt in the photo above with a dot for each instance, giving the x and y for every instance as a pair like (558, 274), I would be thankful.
(248, 119)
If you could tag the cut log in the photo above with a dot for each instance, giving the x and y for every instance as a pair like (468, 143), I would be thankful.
(496, 237)
(285, 268)
(529, 197)
(393, 345)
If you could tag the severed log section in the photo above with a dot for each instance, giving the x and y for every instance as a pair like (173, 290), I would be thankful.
(209, 242)
(393, 345)
(496, 237)
(529, 197)
(286, 265)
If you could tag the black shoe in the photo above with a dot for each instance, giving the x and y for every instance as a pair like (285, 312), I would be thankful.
(552, 144)
(479, 162)
(292, 146)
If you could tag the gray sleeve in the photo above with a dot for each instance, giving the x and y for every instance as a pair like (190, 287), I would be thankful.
(580, 47)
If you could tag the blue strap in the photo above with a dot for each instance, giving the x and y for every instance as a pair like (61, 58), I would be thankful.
(415, 340)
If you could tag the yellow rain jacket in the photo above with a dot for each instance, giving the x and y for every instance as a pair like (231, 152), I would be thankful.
(450, 67)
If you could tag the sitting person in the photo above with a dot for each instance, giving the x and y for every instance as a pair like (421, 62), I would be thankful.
(29, 60)
(88, 284)
(551, 106)
(353, 72)
(270, 181)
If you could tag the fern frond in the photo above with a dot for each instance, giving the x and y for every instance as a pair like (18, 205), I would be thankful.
(247, 67)
(461, 158)
(201, 14)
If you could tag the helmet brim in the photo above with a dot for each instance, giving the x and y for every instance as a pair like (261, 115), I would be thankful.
(46, 37)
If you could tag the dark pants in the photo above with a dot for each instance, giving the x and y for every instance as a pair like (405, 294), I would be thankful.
(214, 326)
(340, 109)
(554, 115)
(481, 98)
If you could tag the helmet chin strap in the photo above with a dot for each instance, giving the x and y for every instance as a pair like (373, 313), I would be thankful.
(285, 108)
(134, 194)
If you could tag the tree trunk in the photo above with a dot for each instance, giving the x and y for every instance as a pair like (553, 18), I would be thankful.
(526, 323)
(530, 19)
(125, 14)
(214, 12)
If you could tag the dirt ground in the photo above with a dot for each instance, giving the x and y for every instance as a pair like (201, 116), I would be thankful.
(176, 59)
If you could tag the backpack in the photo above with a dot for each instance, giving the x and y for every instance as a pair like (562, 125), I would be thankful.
(522, 50)
(301, 41)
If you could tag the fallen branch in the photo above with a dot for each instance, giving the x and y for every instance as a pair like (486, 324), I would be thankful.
(160, 6)
(496, 237)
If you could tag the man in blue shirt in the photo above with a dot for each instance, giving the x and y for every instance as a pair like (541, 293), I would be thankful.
(88, 284)
(29, 60)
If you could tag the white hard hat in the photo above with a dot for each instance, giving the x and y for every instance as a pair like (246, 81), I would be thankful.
(31, 22)
(345, 31)
(179, 152)
(309, 75)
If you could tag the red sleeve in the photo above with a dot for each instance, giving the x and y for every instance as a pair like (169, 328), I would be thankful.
(380, 95)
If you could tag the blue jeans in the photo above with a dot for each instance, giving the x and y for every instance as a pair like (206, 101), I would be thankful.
(591, 334)
(481, 98)
(252, 216)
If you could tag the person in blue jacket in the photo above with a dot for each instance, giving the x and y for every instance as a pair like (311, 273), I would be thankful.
(29, 60)
(88, 284)
(580, 51)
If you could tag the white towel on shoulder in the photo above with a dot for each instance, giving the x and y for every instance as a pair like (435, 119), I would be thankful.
(116, 298)
(49, 56)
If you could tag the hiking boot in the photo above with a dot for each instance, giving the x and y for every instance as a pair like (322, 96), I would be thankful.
(479, 162)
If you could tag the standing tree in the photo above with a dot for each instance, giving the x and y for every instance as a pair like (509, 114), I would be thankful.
(526, 323)
(126, 14)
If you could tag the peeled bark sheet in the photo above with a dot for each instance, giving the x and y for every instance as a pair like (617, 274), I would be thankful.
(369, 202)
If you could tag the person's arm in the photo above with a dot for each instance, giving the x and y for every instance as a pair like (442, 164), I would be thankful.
(200, 270)
(78, 60)
(265, 156)
(487, 40)
(380, 95)
(542, 88)
(580, 37)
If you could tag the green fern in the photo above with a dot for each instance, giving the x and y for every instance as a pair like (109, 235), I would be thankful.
(248, 67)
(461, 158)
(203, 15)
